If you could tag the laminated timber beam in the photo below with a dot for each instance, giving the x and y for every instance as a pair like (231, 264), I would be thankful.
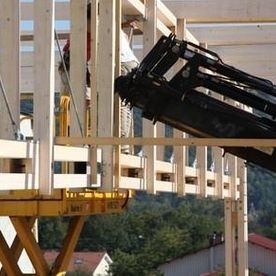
(29, 242)
(219, 142)
(234, 34)
(223, 10)
(15, 250)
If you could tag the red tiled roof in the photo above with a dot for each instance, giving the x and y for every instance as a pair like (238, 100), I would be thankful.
(80, 260)
(262, 241)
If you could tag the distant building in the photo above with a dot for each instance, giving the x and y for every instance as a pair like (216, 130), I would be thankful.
(90, 263)
(261, 258)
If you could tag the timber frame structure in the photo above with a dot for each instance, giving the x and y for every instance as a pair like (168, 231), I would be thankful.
(29, 185)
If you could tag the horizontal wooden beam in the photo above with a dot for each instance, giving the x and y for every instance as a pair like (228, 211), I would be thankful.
(62, 11)
(129, 8)
(258, 60)
(234, 34)
(225, 142)
(165, 15)
(224, 10)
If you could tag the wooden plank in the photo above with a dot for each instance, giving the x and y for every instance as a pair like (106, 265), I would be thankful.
(9, 67)
(165, 15)
(7, 259)
(242, 220)
(220, 142)
(149, 130)
(229, 11)
(30, 244)
(44, 87)
(133, 7)
(105, 83)
(201, 156)
(78, 42)
(62, 11)
(94, 91)
(232, 169)
(117, 100)
(162, 28)
(27, 80)
(246, 53)
(229, 237)
(160, 132)
(218, 169)
(233, 34)
(180, 152)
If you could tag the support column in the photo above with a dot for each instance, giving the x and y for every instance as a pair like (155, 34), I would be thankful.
(117, 100)
(44, 69)
(30, 244)
(94, 91)
(230, 229)
(78, 42)
(149, 130)
(9, 67)
(242, 221)
(180, 152)
(105, 85)
(69, 244)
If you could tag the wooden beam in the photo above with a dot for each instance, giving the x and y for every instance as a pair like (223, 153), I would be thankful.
(229, 226)
(149, 130)
(9, 67)
(258, 60)
(78, 42)
(220, 142)
(180, 152)
(105, 84)
(242, 221)
(16, 247)
(7, 259)
(94, 92)
(233, 34)
(133, 7)
(44, 87)
(165, 15)
(223, 10)
(30, 244)
(62, 11)
(117, 100)
(69, 244)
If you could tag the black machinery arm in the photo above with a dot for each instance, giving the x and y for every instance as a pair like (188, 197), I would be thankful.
(178, 102)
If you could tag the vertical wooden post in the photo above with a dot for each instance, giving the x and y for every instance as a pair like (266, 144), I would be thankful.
(117, 100)
(94, 87)
(160, 132)
(219, 171)
(105, 84)
(232, 168)
(229, 226)
(201, 156)
(242, 222)
(78, 42)
(180, 152)
(44, 69)
(9, 66)
(149, 130)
